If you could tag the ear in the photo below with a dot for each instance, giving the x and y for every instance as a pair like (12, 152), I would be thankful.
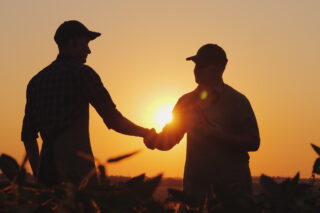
(216, 68)
(73, 42)
(212, 68)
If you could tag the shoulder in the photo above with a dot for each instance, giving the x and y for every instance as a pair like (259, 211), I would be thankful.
(238, 101)
(186, 100)
(234, 95)
(37, 79)
(188, 97)
(87, 72)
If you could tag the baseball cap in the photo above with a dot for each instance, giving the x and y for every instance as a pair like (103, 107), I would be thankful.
(69, 29)
(209, 54)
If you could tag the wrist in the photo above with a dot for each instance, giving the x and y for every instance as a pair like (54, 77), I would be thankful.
(145, 132)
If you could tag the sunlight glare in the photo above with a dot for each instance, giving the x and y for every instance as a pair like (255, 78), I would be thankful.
(161, 115)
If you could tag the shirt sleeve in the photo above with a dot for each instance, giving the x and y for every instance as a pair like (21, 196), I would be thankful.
(98, 96)
(29, 130)
(247, 122)
(174, 131)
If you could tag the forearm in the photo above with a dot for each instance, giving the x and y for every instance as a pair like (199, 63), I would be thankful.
(169, 137)
(244, 142)
(124, 126)
(32, 150)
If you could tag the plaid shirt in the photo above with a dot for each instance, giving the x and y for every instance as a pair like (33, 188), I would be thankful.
(59, 94)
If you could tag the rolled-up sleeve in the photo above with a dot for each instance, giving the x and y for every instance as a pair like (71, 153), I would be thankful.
(29, 130)
(98, 96)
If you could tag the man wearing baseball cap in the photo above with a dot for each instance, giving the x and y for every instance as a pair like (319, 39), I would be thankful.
(57, 107)
(221, 129)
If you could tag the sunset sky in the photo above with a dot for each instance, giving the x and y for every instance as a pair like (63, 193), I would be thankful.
(272, 46)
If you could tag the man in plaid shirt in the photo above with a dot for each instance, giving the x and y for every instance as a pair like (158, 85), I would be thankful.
(57, 106)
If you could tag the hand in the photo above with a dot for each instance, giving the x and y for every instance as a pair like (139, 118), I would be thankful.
(150, 139)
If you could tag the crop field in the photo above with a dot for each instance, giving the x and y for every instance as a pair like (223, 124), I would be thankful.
(20, 193)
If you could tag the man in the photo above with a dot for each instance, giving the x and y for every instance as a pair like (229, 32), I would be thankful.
(220, 125)
(58, 99)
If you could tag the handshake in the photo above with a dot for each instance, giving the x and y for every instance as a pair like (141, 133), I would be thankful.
(151, 139)
(163, 141)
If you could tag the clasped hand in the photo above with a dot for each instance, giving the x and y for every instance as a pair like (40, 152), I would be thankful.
(150, 139)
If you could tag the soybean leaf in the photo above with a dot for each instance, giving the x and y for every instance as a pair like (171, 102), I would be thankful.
(119, 158)
(316, 167)
(316, 148)
(9, 166)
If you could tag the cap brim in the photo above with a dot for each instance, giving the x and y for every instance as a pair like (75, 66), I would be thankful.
(192, 58)
(93, 35)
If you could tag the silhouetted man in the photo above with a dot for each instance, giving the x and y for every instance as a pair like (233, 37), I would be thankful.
(58, 99)
(220, 125)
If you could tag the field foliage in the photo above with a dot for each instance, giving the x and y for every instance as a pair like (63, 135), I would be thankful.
(18, 193)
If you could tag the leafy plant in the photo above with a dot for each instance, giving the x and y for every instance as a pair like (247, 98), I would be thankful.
(316, 166)
(19, 193)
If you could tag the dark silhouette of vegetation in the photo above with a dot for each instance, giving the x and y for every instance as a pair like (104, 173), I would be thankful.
(20, 194)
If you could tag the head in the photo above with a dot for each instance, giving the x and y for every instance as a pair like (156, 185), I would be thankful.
(210, 62)
(73, 38)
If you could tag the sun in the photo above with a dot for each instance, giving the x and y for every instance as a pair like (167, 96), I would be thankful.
(161, 115)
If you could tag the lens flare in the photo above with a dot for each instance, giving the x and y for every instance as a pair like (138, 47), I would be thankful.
(203, 95)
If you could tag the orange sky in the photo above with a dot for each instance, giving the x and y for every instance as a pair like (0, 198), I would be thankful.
(272, 46)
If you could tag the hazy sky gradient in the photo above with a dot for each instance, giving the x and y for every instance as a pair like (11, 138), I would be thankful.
(273, 50)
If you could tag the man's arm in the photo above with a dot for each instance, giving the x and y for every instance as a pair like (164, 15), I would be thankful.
(243, 141)
(29, 133)
(170, 136)
(172, 133)
(100, 99)
(122, 125)
(246, 135)
(32, 150)
(246, 141)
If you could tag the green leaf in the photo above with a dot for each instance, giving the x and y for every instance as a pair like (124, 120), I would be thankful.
(119, 158)
(316, 148)
(9, 166)
(316, 167)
